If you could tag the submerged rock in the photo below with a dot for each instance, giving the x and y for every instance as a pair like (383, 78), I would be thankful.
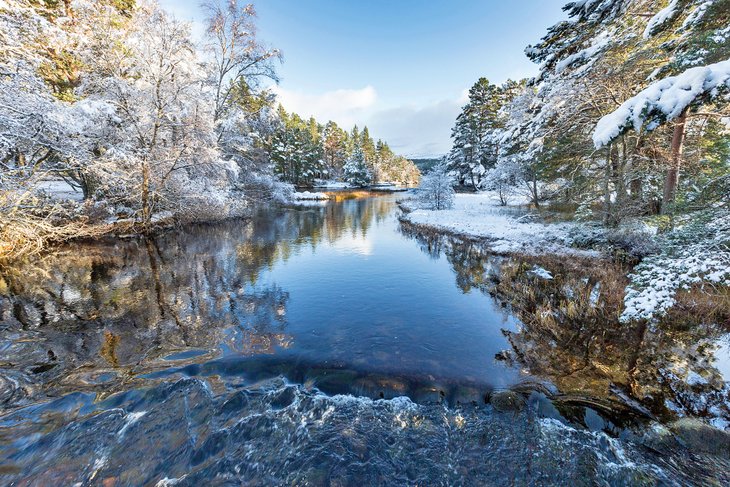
(699, 436)
(507, 401)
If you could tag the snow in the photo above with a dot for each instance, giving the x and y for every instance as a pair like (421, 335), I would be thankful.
(587, 54)
(656, 281)
(480, 216)
(59, 189)
(161, 216)
(306, 195)
(697, 260)
(660, 18)
(331, 184)
(542, 273)
(696, 14)
(663, 100)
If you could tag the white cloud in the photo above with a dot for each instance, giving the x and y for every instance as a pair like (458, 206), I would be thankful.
(346, 107)
(417, 131)
(409, 129)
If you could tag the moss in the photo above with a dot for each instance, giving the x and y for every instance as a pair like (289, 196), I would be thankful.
(62, 72)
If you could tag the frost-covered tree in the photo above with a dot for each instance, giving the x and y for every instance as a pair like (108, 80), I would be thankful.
(165, 136)
(436, 191)
(669, 99)
(504, 178)
(296, 150)
(237, 56)
(356, 171)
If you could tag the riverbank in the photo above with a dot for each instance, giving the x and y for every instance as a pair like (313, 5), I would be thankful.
(676, 275)
(478, 216)
(71, 220)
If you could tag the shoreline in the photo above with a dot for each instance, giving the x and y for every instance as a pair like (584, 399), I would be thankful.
(476, 221)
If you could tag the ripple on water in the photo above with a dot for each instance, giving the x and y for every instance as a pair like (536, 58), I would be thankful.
(277, 433)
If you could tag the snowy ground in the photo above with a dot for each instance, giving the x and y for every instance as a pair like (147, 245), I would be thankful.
(307, 195)
(60, 190)
(322, 184)
(480, 216)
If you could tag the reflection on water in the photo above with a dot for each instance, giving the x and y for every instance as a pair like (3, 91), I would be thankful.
(571, 335)
(107, 348)
(330, 294)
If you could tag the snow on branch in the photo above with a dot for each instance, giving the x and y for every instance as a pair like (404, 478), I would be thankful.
(660, 18)
(663, 101)
(586, 55)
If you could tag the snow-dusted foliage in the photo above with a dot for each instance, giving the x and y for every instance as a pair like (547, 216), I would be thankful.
(142, 126)
(477, 132)
(697, 254)
(660, 18)
(664, 100)
(356, 171)
(504, 178)
(567, 137)
(437, 189)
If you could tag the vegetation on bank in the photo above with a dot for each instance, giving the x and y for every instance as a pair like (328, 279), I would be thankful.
(303, 152)
(626, 127)
(113, 106)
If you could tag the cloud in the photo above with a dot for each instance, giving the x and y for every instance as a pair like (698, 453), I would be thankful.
(409, 129)
(346, 106)
(417, 131)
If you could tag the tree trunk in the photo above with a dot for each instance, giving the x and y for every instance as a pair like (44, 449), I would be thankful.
(637, 189)
(672, 177)
(619, 175)
(146, 211)
(607, 188)
(636, 185)
(535, 196)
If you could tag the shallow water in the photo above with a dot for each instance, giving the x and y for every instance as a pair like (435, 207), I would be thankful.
(269, 352)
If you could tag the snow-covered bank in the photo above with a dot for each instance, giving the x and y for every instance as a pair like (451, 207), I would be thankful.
(480, 216)
(329, 184)
(309, 196)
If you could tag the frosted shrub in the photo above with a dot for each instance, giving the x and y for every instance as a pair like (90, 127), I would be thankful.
(636, 243)
(697, 254)
(436, 191)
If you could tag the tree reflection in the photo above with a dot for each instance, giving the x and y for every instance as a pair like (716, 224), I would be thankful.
(101, 315)
(571, 334)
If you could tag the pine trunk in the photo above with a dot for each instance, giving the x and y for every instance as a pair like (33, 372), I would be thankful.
(672, 177)
(607, 188)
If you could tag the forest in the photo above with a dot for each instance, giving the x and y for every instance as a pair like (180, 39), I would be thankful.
(626, 130)
(99, 137)
(217, 268)
(303, 152)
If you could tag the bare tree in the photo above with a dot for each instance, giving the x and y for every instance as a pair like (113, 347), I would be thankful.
(239, 59)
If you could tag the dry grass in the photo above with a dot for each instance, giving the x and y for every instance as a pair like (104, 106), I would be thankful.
(23, 235)
(701, 305)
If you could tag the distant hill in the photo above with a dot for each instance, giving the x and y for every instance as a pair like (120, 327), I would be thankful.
(425, 164)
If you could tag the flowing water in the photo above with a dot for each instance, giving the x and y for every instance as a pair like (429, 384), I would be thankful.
(330, 345)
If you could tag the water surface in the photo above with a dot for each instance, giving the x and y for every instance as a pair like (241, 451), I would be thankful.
(268, 351)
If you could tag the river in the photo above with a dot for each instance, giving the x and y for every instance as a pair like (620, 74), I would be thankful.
(327, 344)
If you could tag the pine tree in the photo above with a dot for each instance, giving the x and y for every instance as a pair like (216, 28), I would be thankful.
(356, 171)
(474, 151)
(334, 145)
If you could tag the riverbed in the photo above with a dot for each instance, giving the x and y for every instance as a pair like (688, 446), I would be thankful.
(329, 344)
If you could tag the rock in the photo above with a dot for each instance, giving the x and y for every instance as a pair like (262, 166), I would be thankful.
(702, 437)
(507, 401)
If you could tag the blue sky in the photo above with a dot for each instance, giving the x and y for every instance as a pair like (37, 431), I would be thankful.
(401, 66)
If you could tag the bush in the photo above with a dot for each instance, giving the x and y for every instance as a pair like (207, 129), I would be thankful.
(436, 191)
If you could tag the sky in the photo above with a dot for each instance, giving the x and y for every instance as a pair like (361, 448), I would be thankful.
(401, 67)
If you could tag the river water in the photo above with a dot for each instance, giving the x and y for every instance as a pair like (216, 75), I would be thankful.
(328, 344)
